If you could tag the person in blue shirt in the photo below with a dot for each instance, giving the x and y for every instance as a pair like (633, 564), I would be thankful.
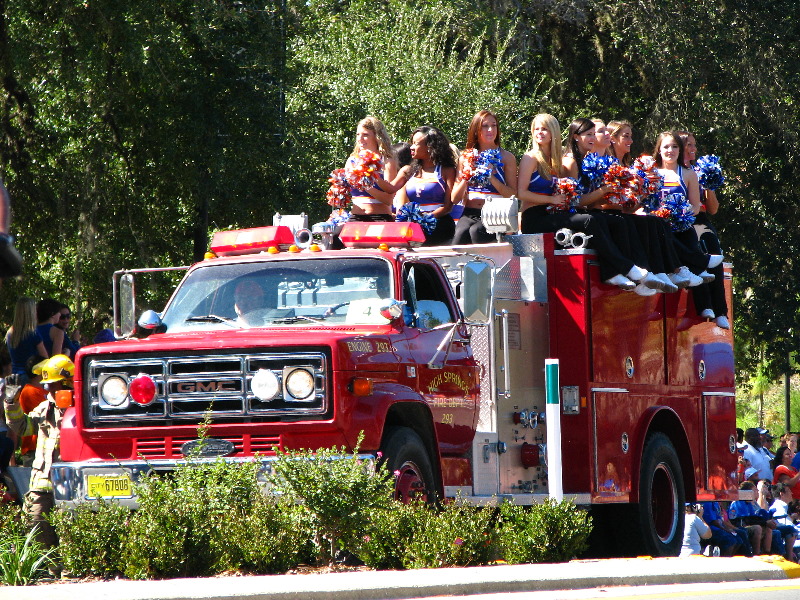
(724, 534)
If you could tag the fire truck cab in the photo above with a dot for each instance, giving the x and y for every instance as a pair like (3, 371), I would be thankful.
(436, 355)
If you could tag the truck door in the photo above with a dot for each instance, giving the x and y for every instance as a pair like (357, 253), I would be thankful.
(447, 373)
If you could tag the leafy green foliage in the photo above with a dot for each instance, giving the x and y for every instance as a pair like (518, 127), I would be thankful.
(92, 538)
(433, 63)
(207, 519)
(458, 535)
(547, 532)
(23, 560)
(338, 491)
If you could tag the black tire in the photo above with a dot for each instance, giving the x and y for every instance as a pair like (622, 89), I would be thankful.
(660, 514)
(405, 456)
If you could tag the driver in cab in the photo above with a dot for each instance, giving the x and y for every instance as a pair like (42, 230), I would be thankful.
(248, 301)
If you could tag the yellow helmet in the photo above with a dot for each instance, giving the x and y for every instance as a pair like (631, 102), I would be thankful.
(57, 368)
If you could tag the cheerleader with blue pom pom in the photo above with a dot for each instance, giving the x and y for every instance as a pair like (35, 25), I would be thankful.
(427, 196)
(485, 170)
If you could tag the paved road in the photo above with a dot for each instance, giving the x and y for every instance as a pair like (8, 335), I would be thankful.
(739, 590)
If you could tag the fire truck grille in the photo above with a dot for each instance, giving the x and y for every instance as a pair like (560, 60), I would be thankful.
(170, 447)
(187, 387)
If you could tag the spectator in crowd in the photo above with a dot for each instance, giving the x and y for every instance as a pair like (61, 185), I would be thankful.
(764, 500)
(749, 515)
(739, 435)
(48, 311)
(751, 475)
(766, 441)
(694, 530)
(724, 534)
(22, 339)
(784, 472)
(103, 336)
(779, 509)
(757, 456)
(71, 342)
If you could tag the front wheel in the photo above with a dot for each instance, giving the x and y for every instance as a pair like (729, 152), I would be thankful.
(407, 459)
(660, 515)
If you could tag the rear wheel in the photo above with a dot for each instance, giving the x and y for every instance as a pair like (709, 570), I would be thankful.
(407, 459)
(659, 516)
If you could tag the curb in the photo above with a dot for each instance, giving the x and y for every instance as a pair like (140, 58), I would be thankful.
(381, 585)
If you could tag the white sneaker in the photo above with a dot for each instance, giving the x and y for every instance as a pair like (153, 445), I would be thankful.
(668, 285)
(707, 314)
(694, 280)
(636, 273)
(621, 281)
(707, 277)
(678, 280)
(653, 282)
(643, 290)
(722, 322)
(715, 260)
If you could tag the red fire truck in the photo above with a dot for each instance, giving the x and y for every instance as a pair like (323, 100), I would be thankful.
(436, 354)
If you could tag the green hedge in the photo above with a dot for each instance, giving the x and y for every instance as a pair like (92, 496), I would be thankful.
(325, 506)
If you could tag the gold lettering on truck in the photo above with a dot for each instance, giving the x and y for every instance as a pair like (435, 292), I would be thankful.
(359, 346)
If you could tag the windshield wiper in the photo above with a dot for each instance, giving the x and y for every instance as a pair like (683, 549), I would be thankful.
(214, 319)
(295, 319)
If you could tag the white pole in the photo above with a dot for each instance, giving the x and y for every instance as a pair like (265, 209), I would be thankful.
(553, 414)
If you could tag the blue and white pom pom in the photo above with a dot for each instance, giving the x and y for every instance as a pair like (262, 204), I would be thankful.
(709, 172)
(410, 212)
(339, 217)
(594, 167)
(681, 216)
(488, 161)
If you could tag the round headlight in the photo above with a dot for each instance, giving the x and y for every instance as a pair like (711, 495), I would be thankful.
(143, 389)
(300, 384)
(114, 391)
(265, 385)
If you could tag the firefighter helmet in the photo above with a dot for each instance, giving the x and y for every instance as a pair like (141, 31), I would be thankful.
(57, 368)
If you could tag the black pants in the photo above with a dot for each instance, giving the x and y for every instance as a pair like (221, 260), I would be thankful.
(443, 234)
(612, 260)
(470, 229)
(710, 295)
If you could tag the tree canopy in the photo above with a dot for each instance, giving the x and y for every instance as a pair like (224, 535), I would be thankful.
(132, 130)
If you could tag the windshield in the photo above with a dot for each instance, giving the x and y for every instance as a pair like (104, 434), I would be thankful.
(285, 292)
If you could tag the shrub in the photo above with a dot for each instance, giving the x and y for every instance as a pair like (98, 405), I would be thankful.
(92, 538)
(338, 491)
(548, 532)
(458, 535)
(179, 529)
(23, 560)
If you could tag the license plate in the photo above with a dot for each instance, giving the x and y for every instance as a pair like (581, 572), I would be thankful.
(109, 486)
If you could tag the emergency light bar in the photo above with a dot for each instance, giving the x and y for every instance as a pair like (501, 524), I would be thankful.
(251, 241)
(359, 234)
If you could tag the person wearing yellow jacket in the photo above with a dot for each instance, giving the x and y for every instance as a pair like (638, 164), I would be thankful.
(45, 422)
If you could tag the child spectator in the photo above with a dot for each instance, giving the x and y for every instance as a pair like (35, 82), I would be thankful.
(694, 530)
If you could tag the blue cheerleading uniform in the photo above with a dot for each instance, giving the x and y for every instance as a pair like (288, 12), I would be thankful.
(429, 191)
(470, 229)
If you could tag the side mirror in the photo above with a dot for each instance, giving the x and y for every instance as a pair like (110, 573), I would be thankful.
(476, 292)
(127, 307)
(392, 310)
(149, 322)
